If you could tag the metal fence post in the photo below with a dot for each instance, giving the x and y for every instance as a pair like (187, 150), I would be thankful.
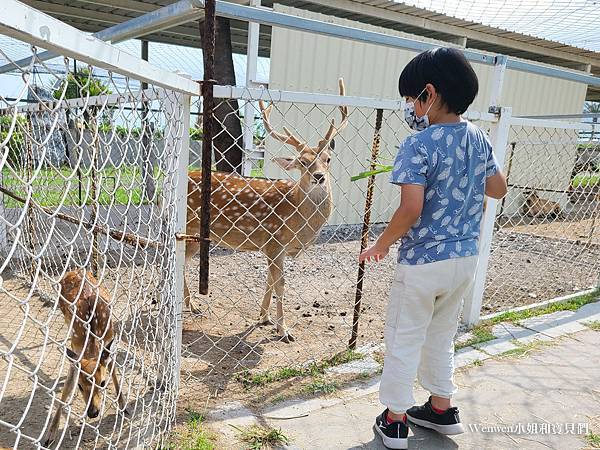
(208, 126)
(3, 221)
(472, 308)
(251, 64)
(364, 241)
(180, 216)
(497, 82)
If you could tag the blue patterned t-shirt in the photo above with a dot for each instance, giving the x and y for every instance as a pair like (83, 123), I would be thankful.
(452, 162)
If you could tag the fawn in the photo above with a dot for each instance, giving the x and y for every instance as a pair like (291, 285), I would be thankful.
(87, 311)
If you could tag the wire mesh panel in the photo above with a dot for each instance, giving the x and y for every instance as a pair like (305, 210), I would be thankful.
(547, 242)
(286, 237)
(88, 163)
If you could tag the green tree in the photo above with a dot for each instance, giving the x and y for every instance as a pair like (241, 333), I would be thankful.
(81, 84)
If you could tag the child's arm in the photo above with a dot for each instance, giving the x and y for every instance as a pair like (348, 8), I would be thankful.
(495, 186)
(411, 205)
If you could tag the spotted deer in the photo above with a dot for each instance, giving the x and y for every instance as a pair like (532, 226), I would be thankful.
(274, 216)
(535, 206)
(86, 309)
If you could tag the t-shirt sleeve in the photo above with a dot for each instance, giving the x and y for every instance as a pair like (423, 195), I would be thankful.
(491, 165)
(411, 163)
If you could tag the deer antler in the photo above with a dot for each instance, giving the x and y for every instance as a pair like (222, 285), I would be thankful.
(333, 131)
(288, 138)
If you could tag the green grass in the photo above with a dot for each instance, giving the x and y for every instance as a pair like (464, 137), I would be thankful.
(481, 333)
(569, 305)
(54, 187)
(321, 386)
(593, 324)
(583, 180)
(279, 398)
(522, 349)
(193, 437)
(256, 437)
(258, 172)
(262, 378)
(593, 440)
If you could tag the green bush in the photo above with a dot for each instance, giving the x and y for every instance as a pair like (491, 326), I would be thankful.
(81, 84)
(16, 142)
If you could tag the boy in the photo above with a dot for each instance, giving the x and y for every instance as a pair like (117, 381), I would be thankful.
(444, 171)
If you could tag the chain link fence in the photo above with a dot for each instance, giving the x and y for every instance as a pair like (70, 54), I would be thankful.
(547, 240)
(286, 238)
(88, 169)
(92, 204)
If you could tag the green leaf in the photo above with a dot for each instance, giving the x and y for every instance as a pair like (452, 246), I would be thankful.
(368, 173)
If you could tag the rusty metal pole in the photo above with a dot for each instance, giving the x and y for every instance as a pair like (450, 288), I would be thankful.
(95, 191)
(364, 241)
(30, 216)
(208, 53)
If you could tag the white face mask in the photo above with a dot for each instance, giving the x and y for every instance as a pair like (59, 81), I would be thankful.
(410, 116)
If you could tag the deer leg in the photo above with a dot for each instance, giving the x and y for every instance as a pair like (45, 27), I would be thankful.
(266, 303)
(277, 274)
(191, 248)
(120, 397)
(52, 432)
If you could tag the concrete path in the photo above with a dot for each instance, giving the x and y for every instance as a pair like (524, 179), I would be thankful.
(544, 393)
(557, 383)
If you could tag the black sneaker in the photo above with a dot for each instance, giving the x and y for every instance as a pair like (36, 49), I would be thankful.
(394, 435)
(447, 422)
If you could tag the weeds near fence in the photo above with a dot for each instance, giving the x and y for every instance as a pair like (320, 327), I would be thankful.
(255, 379)
(482, 332)
(193, 436)
(257, 438)
(321, 386)
(569, 305)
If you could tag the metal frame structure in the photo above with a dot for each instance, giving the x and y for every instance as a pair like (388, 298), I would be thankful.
(26, 23)
(188, 10)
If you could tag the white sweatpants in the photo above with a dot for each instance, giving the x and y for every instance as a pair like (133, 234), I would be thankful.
(420, 324)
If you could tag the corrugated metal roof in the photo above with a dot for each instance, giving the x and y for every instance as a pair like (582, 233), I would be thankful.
(95, 15)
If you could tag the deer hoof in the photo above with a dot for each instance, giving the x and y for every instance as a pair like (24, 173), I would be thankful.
(265, 321)
(287, 337)
(48, 441)
(194, 309)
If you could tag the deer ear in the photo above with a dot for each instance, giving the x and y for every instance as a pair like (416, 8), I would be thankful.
(285, 163)
(71, 354)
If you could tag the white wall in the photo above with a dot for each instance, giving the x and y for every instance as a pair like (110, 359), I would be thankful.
(311, 63)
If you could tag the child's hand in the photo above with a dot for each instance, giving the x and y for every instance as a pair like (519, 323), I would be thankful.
(375, 253)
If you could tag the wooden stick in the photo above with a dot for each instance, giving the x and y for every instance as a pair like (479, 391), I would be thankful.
(127, 238)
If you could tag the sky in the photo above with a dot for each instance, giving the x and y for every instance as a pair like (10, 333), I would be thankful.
(572, 22)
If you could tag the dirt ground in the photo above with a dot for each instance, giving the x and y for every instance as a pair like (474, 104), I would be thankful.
(224, 341)
(33, 366)
(319, 303)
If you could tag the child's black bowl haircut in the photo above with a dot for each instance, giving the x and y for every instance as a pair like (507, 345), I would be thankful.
(448, 71)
